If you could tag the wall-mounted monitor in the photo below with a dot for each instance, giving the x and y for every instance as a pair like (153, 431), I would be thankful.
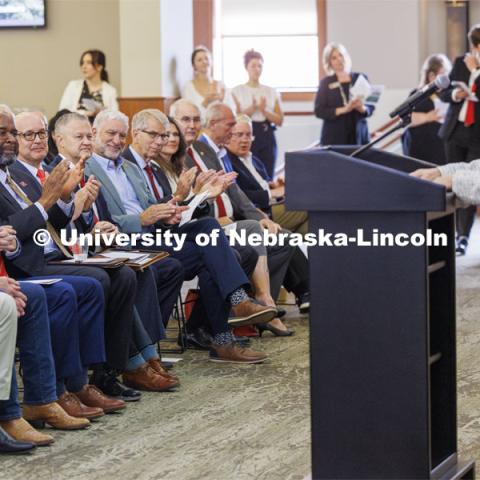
(22, 14)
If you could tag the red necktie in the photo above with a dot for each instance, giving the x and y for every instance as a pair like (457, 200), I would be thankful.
(149, 170)
(222, 211)
(470, 114)
(41, 175)
(95, 218)
(3, 270)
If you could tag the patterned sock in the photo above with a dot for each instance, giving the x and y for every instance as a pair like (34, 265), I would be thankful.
(224, 338)
(238, 296)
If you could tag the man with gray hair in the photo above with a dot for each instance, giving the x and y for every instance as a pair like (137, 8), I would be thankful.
(135, 209)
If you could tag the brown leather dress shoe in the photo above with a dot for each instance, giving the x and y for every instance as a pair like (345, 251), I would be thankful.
(22, 431)
(93, 397)
(54, 415)
(145, 378)
(232, 353)
(249, 313)
(75, 408)
(156, 365)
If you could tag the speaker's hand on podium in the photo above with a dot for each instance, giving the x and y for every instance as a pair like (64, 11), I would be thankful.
(446, 181)
(430, 174)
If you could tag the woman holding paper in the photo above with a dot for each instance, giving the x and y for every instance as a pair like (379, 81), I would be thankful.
(340, 100)
(92, 94)
(262, 104)
(420, 140)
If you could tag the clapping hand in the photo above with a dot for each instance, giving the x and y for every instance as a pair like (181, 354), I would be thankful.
(202, 179)
(184, 184)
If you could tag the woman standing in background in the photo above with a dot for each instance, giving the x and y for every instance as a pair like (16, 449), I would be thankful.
(262, 105)
(92, 94)
(203, 89)
(420, 140)
(344, 119)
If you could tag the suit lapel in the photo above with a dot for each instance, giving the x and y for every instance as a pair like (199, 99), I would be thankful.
(103, 178)
(8, 198)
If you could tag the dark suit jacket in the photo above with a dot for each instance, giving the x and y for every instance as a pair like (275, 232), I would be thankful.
(249, 184)
(347, 129)
(461, 73)
(243, 208)
(26, 222)
(201, 211)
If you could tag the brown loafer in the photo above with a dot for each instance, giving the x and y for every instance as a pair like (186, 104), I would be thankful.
(249, 313)
(54, 415)
(93, 397)
(75, 408)
(232, 353)
(156, 365)
(22, 431)
(145, 378)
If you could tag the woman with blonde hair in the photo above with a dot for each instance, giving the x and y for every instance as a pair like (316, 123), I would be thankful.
(420, 140)
(344, 118)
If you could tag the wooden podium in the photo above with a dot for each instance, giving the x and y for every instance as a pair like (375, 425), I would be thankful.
(382, 319)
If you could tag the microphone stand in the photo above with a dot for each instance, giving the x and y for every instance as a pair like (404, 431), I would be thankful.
(403, 121)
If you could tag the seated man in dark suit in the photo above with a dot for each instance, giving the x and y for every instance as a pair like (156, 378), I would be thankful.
(254, 181)
(158, 286)
(183, 188)
(135, 210)
(208, 152)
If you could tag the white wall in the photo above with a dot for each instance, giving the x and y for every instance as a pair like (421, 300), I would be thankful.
(176, 26)
(382, 37)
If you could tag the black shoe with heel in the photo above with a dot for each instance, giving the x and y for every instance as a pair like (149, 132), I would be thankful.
(262, 327)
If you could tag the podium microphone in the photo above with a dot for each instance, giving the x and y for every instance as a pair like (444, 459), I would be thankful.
(440, 83)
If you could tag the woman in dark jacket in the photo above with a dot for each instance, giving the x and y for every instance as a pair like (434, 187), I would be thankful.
(420, 140)
(344, 118)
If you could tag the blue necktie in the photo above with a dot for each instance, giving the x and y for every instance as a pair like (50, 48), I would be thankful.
(227, 164)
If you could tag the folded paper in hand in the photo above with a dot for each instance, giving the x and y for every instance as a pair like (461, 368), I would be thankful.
(194, 203)
(361, 88)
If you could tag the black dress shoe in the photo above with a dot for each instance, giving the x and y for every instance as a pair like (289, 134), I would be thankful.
(462, 245)
(198, 339)
(108, 383)
(10, 445)
(303, 302)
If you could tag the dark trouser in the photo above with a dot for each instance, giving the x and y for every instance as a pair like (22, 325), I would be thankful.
(36, 357)
(119, 288)
(297, 276)
(278, 260)
(217, 268)
(265, 145)
(169, 276)
(463, 146)
(247, 257)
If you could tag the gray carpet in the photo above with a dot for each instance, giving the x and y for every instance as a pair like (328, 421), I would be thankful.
(238, 422)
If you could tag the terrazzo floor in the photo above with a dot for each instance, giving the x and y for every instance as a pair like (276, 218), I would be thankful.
(238, 422)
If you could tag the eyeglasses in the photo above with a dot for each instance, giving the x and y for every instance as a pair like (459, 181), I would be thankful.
(190, 119)
(246, 135)
(30, 136)
(5, 133)
(155, 135)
